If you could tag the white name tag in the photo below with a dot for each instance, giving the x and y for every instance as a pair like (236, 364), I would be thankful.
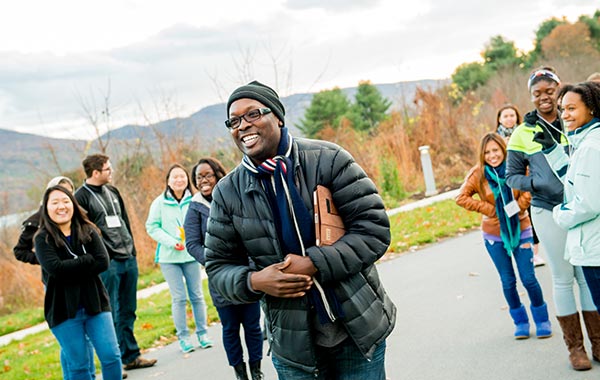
(512, 208)
(113, 221)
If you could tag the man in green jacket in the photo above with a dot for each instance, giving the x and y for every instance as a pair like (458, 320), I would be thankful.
(327, 312)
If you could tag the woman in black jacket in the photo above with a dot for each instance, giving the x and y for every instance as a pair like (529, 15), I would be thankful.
(24, 252)
(24, 249)
(72, 255)
(205, 175)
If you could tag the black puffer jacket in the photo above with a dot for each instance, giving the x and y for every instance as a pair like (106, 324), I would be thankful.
(241, 226)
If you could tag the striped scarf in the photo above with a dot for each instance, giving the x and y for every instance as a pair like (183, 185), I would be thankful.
(294, 222)
(504, 132)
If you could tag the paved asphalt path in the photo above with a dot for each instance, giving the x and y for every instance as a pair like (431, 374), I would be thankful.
(452, 324)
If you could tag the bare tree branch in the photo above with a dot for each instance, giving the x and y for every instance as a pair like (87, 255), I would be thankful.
(100, 120)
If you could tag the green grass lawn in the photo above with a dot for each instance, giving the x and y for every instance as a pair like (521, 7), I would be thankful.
(151, 278)
(31, 317)
(428, 224)
(37, 356)
(20, 320)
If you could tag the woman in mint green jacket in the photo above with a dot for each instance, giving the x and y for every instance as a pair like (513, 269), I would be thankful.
(579, 213)
(165, 225)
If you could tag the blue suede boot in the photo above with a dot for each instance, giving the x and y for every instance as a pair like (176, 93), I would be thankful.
(519, 316)
(543, 328)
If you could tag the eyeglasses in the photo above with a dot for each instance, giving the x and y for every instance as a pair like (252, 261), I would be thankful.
(250, 116)
(207, 177)
(108, 169)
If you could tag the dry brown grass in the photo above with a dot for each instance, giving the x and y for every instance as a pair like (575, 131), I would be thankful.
(20, 283)
(393, 142)
(450, 131)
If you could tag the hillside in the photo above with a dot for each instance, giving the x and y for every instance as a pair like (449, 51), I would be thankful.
(208, 122)
(29, 160)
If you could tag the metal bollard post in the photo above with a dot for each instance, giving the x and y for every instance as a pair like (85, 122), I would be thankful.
(427, 171)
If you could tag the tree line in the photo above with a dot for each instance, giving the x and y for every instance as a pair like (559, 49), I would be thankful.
(554, 38)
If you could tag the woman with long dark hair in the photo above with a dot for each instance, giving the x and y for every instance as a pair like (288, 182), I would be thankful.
(165, 226)
(507, 233)
(76, 304)
(24, 251)
(580, 211)
(207, 172)
(581, 208)
(528, 170)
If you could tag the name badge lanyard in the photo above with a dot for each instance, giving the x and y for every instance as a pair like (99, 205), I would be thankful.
(112, 221)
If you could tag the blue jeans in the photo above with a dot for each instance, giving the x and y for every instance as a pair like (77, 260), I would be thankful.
(342, 362)
(71, 335)
(247, 315)
(64, 361)
(174, 275)
(592, 277)
(564, 275)
(120, 280)
(523, 256)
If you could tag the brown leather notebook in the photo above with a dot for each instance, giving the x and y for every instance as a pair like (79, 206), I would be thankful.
(329, 226)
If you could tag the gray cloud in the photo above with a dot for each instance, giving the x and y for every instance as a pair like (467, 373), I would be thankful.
(18, 68)
(331, 5)
(571, 2)
(174, 43)
(44, 88)
(183, 42)
(455, 26)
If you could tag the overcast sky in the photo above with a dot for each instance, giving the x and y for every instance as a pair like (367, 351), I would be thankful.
(157, 59)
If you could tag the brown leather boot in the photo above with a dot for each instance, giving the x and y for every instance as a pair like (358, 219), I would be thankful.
(592, 325)
(573, 336)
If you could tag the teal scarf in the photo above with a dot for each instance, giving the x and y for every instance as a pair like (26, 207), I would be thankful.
(510, 227)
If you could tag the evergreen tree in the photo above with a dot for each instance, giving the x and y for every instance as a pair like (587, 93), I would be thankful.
(326, 109)
(499, 53)
(369, 107)
(469, 76)
(594, 24)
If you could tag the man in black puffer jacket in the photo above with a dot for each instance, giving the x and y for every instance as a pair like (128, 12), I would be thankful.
(321, 303)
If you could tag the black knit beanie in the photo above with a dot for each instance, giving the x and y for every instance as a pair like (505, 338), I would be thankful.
(258, 91)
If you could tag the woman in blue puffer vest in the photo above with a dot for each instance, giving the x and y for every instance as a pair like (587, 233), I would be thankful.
(206, 174)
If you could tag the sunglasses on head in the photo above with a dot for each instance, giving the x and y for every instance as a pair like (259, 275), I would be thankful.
(543, 73)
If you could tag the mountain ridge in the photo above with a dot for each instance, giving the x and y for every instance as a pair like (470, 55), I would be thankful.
(45, 157)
